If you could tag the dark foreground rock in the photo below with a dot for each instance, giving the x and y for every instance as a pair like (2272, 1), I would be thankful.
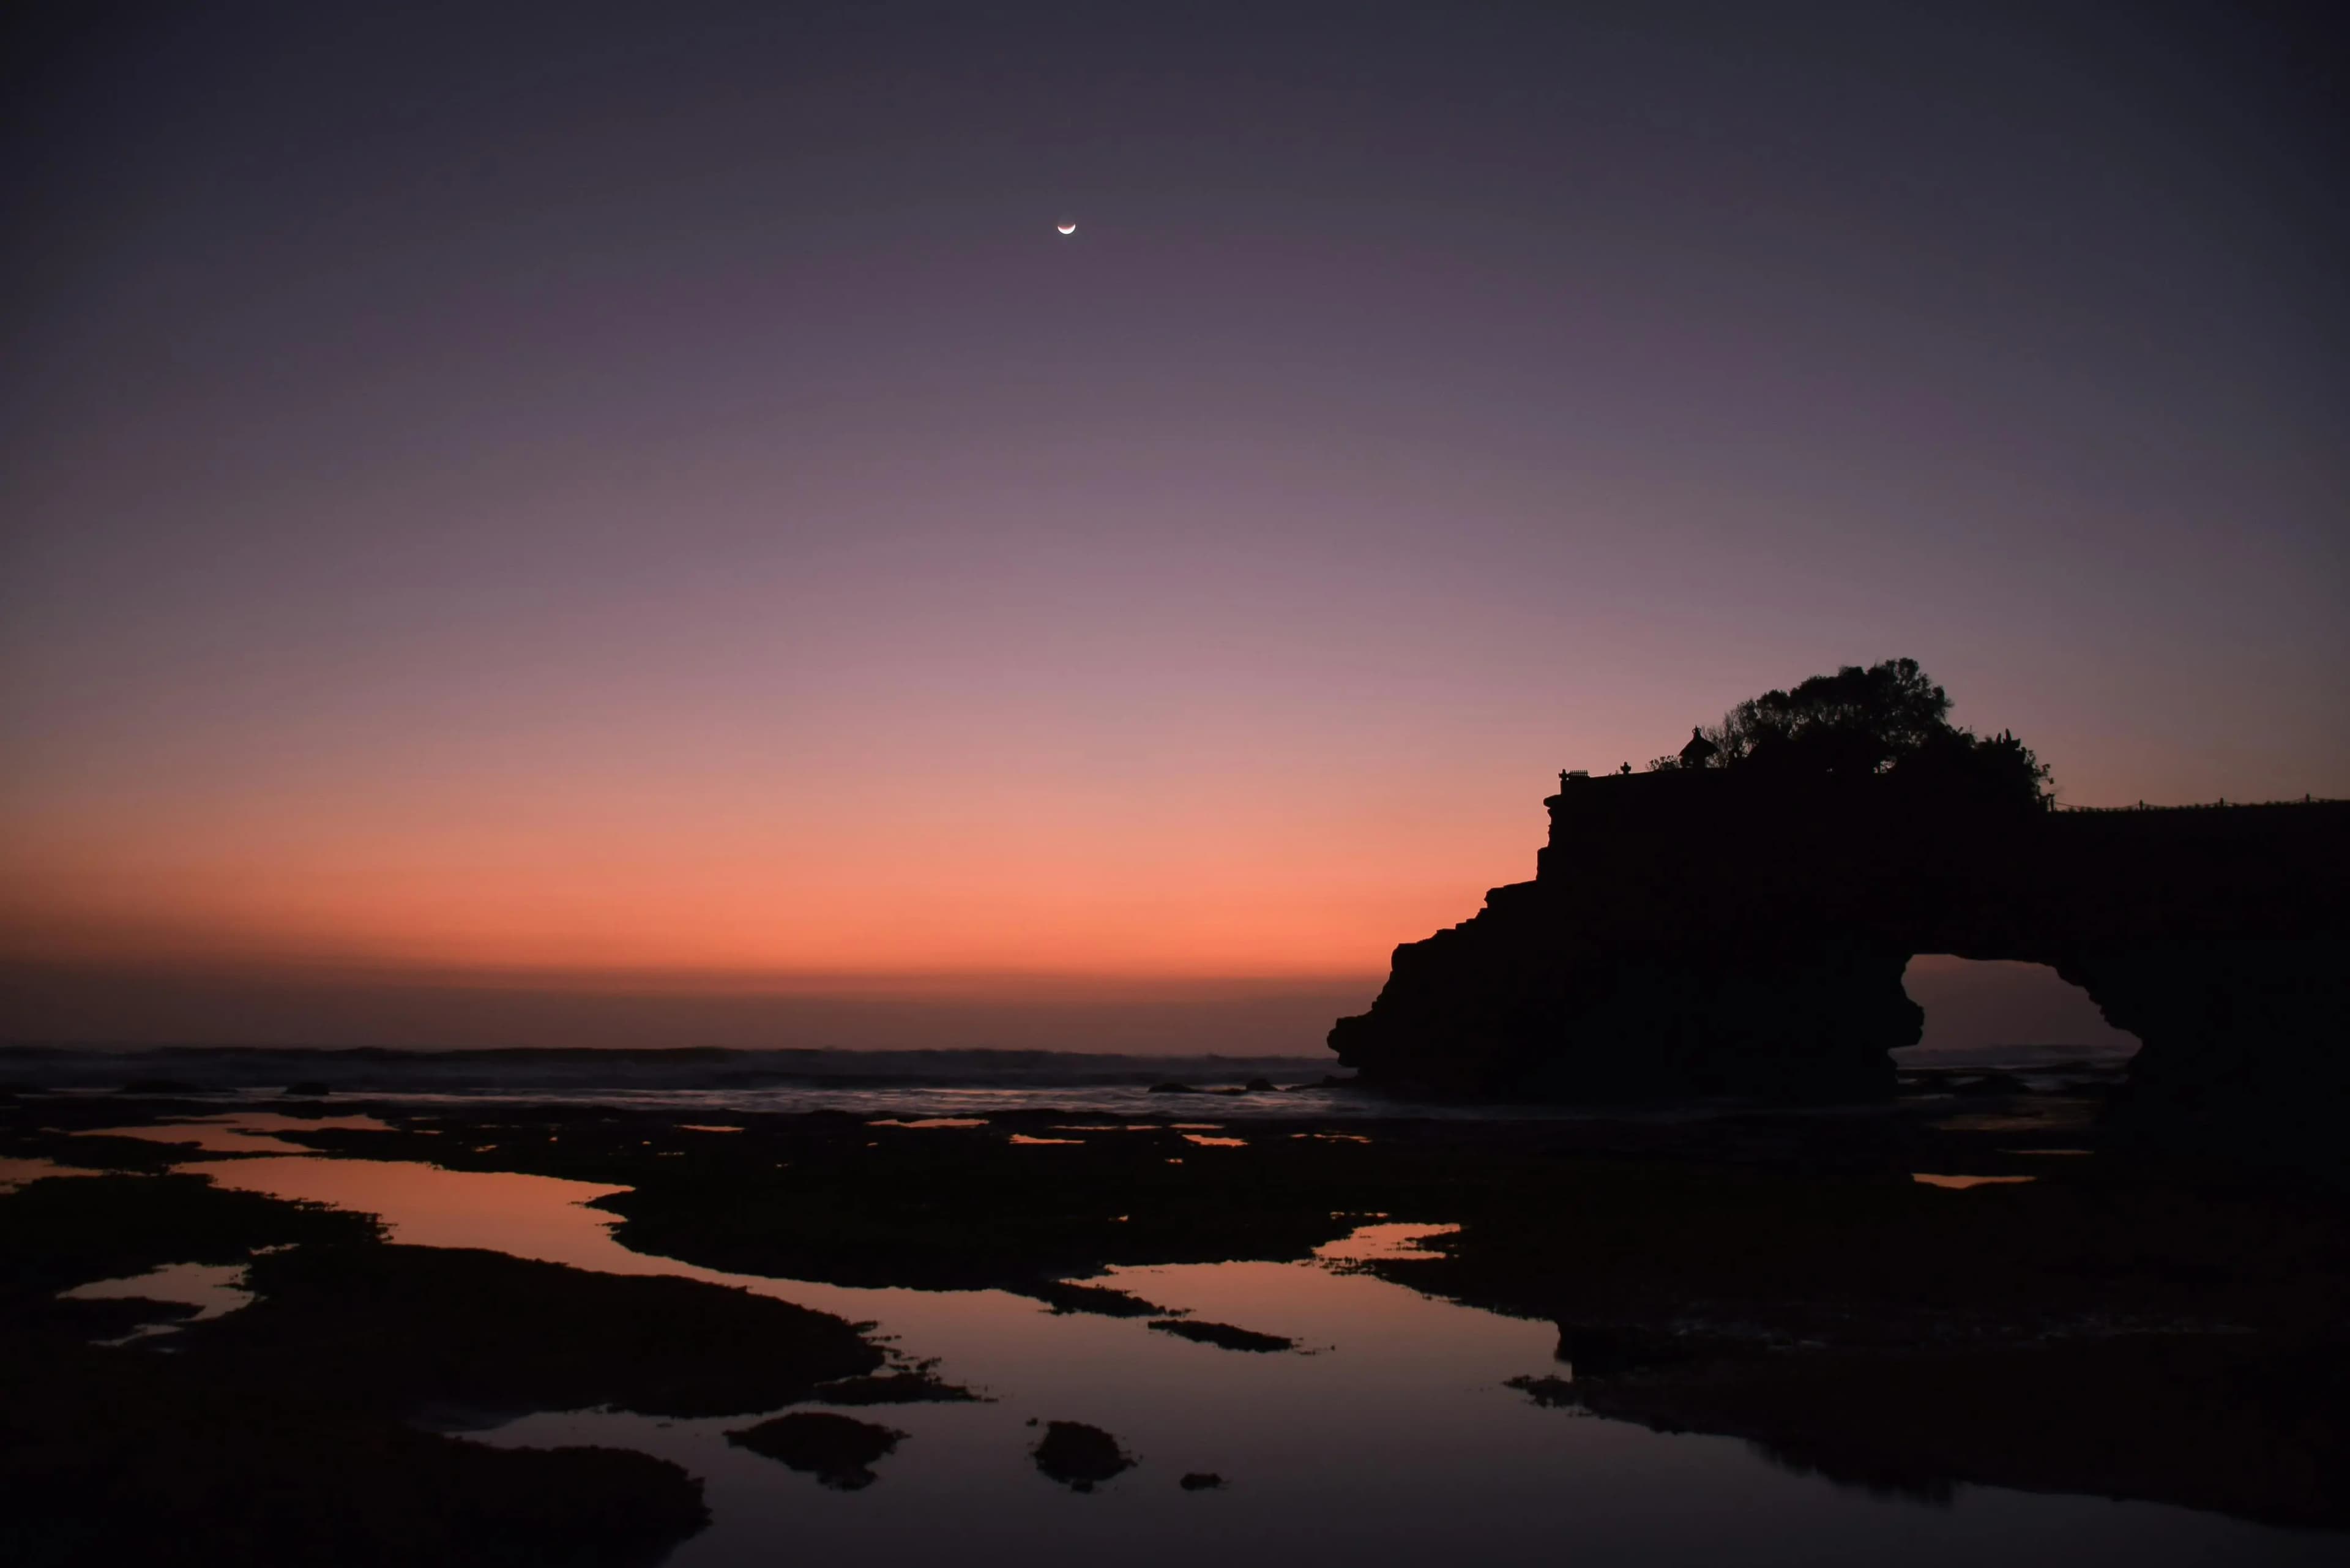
(1080, 1457)
(289, 1431)
(112, 1457)
(61, 1232)
(418, 1329)
(839, 1451)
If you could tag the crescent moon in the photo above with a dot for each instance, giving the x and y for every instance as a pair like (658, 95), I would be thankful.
(1066, 228)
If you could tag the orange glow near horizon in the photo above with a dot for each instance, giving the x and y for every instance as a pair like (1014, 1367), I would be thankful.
(1240, 857)
(1187, 882)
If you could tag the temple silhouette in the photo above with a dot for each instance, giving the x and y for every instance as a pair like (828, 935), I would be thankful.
(1703, 930)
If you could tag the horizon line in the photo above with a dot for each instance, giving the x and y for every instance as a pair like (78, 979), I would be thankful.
(969, 982)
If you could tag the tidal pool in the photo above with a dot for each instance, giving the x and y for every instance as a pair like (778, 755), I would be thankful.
(1387, 1436)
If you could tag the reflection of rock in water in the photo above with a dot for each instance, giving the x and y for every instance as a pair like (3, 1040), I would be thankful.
(919, 1386)
(2209, 1420)
(1550, 1392)
(1080, 1457)
(839, 1451)
(1224, 1335)
(1884, 1481)
(1609, 1350)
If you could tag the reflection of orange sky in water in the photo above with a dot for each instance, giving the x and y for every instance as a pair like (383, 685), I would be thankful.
(239, 1132)
(987, 1336)
(547, 1218)
(1960, 1183)
(1388, 1239)
(536, 1217)
(17, 1170)
(1392, 1430)
(1372, 1351)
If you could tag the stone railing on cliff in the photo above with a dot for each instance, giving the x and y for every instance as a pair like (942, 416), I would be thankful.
(1717, 932)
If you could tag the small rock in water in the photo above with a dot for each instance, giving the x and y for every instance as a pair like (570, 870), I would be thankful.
(1224, 1335)
(839, 1451)
(1080, 1457)
(1202, 1480)
(1103, 1301)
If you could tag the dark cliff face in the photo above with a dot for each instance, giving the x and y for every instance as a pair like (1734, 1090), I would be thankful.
(1701, 933)
(1520, 1002)
(2247, 1050)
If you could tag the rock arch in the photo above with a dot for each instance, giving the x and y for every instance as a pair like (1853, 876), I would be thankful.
(1703, 933)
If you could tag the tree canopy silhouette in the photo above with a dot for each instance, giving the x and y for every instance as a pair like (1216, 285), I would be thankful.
(1884, 718)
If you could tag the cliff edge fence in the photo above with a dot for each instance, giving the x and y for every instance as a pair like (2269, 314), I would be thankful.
(1713, 932)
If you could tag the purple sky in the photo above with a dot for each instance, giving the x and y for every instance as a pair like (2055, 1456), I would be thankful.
(591, 486)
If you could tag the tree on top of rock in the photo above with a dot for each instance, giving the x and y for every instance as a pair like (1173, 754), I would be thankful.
(1855, 720)
(1886, 717)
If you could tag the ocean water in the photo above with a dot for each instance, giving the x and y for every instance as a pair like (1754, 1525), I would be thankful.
(961, 1083)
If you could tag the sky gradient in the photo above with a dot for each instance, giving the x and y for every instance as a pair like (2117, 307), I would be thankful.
(620, 490)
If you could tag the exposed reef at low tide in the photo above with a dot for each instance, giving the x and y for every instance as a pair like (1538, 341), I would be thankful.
(311, 1425)
(1778, 1275)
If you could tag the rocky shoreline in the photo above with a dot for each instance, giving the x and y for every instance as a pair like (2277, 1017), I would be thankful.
(2115, 1324)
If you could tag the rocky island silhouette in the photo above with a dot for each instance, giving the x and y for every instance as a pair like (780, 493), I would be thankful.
(1735, 922)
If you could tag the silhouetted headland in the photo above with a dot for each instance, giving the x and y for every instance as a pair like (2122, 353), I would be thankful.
(1736, 921)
